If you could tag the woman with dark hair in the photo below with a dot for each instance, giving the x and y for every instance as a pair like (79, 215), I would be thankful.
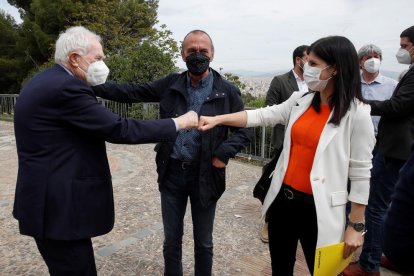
(329, 139)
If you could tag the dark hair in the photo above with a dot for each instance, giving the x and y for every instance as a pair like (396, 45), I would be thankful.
(197, 32)
(299, 52)
(408, 33)
(339, 51)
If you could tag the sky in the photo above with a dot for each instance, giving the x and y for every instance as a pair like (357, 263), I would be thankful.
(260, 36)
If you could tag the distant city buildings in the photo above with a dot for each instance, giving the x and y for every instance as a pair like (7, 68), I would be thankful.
(256, 86)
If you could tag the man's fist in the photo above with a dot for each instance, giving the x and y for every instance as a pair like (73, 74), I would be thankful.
(188, 120)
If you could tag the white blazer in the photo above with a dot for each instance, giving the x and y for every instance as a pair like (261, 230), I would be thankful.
(343, 152)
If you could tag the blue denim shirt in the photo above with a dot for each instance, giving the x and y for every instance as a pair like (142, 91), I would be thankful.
(187, 145)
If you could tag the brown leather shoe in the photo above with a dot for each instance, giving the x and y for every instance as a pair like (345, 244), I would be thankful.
(354, 269)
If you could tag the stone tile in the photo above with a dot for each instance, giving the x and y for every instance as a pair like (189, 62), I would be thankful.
(134, 246)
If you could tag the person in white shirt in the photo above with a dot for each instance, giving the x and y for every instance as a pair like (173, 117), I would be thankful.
(282, 87)
(374, 85)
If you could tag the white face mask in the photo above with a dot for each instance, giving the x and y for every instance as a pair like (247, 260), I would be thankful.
(372, 65)
(311, 76)
(403, 56)
(97, 72)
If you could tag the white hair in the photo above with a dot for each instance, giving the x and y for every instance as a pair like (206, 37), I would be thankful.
(75, 39)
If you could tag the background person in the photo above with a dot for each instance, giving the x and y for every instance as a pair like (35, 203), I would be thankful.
(64, 190)
(374, 86)
(194, 165)
(329, 138)
(398, 228)
(282, 87)
(395, 135)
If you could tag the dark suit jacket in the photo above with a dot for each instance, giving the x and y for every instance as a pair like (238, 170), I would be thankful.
(281, 88)
(64, 188)
(171, 93)
(396, 127)
(398, 227)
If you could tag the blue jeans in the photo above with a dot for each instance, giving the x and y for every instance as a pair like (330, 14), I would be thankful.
(180, 183)
(384, 176)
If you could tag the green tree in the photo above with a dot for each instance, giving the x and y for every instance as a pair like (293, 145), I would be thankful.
(235, 80)
(256, 102)
(150, 60)
(11, 61)
(248, 99)
(136, 50)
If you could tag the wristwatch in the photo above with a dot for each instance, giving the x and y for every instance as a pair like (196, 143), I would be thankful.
(358, 226)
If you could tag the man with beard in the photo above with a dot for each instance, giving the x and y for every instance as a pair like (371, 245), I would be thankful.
(194, 165)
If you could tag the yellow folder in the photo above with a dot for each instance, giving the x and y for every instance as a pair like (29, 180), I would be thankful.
(329, 260)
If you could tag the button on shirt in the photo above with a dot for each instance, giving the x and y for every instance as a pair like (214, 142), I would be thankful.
(380, 89)
(188, 142)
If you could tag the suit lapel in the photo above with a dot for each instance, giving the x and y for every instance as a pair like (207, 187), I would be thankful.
(328, 133)
(292, 81)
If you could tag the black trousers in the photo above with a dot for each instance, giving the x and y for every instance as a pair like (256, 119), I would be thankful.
(291, 220)
(68, 257)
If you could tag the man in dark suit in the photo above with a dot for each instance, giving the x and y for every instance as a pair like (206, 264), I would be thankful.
(398, 228)
(280, 89)
(64, 190)
(395, 135)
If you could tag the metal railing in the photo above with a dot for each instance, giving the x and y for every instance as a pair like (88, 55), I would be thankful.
(259, 149)
(7, 103)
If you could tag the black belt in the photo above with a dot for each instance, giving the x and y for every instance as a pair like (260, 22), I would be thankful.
(292, 194)
(184, 164)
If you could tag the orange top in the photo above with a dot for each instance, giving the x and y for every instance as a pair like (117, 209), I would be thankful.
(305, 135)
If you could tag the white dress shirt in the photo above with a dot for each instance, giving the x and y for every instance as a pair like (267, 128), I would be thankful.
(380, 89)
(301, 83)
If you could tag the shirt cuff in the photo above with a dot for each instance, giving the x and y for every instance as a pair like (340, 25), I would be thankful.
(177, 127)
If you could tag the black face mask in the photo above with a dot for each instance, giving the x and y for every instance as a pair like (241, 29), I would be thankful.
(197, 63)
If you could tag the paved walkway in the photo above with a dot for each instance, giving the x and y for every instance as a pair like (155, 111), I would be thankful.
(134, 246)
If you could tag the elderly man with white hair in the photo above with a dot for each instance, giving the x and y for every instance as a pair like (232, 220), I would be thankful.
(64, 190)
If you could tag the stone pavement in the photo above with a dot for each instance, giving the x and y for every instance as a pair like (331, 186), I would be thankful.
(134, 246)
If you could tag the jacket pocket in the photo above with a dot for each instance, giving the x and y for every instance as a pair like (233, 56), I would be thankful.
(93, 203)
(339, 198)
(218, 184)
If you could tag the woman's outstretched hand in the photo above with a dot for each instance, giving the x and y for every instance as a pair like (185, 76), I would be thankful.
(206, 123)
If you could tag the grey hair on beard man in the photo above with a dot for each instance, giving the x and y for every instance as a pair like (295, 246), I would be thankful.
(75, 39)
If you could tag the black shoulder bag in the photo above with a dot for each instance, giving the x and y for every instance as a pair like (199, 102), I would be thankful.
(262, 186)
